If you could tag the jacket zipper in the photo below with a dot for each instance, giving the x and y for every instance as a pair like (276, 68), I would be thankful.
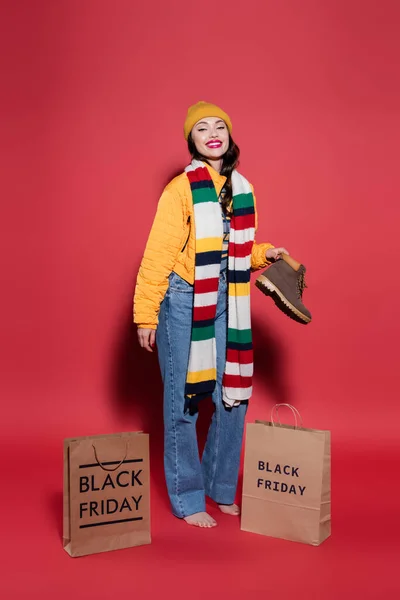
(188, 222)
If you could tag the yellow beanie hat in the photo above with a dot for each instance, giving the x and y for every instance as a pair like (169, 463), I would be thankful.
(202, 110)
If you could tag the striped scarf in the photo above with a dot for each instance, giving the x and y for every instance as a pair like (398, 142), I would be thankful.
(202, 372)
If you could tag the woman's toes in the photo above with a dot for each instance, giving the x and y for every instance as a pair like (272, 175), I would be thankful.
(201, 519)
(230, 509)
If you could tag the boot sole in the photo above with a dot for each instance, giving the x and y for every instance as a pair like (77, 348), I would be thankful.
(262, 282)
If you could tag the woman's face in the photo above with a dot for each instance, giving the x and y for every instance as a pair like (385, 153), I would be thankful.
(211, 137)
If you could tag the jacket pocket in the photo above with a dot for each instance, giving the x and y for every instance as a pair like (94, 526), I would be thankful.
(188, 236)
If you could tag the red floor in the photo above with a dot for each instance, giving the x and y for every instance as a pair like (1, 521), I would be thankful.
(360, 560)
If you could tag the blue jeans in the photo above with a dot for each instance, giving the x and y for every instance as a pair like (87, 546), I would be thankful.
(188, 478)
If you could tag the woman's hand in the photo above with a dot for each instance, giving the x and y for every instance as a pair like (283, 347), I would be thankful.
(275, 253)
(147, 338)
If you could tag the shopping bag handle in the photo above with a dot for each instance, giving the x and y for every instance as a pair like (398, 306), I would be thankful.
(275, 409)
(118, 465)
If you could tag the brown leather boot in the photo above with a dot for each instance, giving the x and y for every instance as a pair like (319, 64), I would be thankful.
(284, 282)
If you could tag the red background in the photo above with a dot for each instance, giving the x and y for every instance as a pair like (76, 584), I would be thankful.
(93, 102)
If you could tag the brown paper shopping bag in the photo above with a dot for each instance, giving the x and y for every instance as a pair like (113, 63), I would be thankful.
(286, 481)
(106, 493)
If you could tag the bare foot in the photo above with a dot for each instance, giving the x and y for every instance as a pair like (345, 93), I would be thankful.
(230, 509)
(200, 519)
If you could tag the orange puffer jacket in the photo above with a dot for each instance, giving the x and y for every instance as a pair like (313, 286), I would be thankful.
(171, 247)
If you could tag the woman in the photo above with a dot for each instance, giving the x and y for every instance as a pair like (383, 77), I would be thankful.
(192, 294)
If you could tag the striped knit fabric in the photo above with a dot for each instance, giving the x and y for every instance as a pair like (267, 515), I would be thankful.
(226, 224)
(201, 375)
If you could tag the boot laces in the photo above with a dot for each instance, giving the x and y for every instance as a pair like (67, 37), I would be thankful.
(301, 285)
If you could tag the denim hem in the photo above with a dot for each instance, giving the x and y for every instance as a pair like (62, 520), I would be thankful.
(184, 507)
(222, 494)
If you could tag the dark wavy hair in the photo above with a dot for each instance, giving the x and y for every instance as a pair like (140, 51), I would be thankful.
(230, 161)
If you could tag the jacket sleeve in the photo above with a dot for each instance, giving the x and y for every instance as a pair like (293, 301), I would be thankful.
(163, 246)
(258, 259)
